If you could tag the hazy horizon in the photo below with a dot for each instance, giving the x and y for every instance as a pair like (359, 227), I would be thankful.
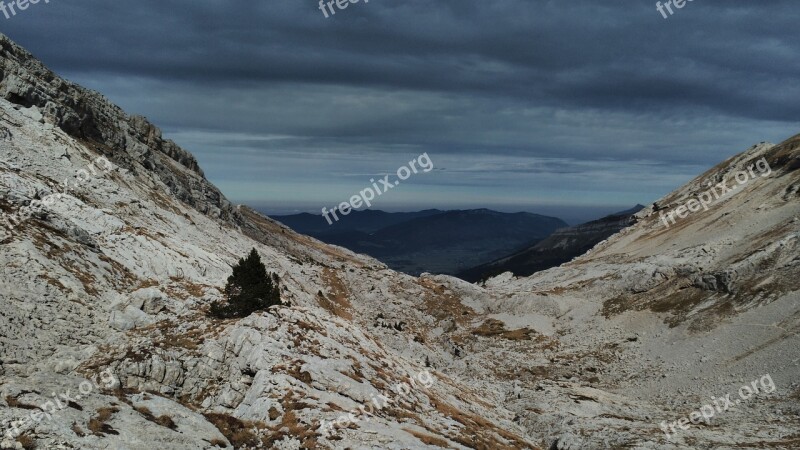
(573, 216)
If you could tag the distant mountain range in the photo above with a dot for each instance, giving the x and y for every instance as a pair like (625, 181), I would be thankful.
(432, 241)
(366, 221)
(562, 246)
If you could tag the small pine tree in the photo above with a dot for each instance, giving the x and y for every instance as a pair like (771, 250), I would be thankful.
(249, 289)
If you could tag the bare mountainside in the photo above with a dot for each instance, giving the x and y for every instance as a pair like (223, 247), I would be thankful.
(111, 282)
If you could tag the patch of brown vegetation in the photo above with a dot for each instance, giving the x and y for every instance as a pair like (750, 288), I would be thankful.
(27, 442)
(295, 371)
(356, 374)
(442, 303)
(237, 431)
(241, 433)
(427, 439)
(479, 433)
(558, 290)
(307, 326)
(290, 426)
(78, 430)
(166, 334)
(496, 328)
(12, 402)
(144, 284)
(184, 289)
(121, 272)
(216, 442)
(104, 414)
(337, 301)
(60, 254)
(52, 282)
(163, 420)
(98, 425)
(143, 410)
(191, 339)
(166, 422)
(679, 302)
(164, 202)
(403, 415)
(274, 413)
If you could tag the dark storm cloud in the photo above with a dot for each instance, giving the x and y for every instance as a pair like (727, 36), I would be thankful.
(529, 80)
(589, 53)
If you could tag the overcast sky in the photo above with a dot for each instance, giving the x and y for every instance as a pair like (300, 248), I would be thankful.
(521, 105)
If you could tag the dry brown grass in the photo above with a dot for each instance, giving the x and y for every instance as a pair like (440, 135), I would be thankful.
(218, 443)
(357, 373)
(428, 439)
(295, 371)
(52, 282)
(98, 426)
(307, 326)
(291, 426)
(442, 304)
(167, 335)
(163, 420)
(104, 414)
(792, 442)
(12, 402)
(337, 301)
(478, 432)
(144, 284)
(184, 289)
(496, 328)
(237, 431)
(27, 442)
(143, 410)
(166, 422)
(78, 430)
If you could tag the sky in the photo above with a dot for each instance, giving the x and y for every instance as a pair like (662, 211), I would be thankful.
(571, 108)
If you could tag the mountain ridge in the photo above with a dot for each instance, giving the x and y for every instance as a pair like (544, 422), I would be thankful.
(430, 241)
(562, 246)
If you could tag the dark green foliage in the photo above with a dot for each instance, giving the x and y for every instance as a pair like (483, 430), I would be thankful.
(249, 289)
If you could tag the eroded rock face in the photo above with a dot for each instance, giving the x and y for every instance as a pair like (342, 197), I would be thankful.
(88, 116)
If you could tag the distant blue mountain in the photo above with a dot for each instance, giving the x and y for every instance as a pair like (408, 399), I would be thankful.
(562, 246)
(366, 221)
(429, 241)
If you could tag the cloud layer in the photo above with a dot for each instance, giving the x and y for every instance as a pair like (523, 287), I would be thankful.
(521, 105)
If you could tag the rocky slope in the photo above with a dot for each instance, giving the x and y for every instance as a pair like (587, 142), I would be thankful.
(109, 282)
